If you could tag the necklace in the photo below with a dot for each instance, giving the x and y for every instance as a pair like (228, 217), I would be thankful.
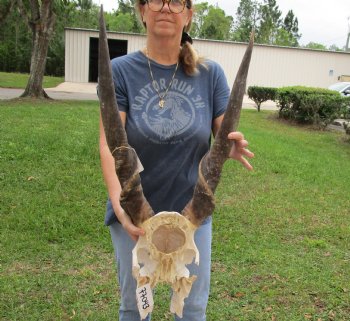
(154, 83)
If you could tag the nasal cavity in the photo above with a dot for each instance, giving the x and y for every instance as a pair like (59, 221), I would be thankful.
(168, 239)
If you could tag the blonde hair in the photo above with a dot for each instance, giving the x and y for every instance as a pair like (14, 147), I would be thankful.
(188, 58)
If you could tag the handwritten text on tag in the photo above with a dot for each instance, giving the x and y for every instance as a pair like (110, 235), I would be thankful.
(144, 300)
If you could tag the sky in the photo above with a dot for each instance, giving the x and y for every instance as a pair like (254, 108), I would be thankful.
(322, 21)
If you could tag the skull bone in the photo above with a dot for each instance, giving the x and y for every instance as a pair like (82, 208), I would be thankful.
(161, 255)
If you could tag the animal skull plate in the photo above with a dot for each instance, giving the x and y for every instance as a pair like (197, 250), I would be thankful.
(161, 255)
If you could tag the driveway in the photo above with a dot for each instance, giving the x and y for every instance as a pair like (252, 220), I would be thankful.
(87, 91)
(64, 91)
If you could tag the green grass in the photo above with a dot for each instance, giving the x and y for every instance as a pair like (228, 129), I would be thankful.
(15, 80)
(281, 238)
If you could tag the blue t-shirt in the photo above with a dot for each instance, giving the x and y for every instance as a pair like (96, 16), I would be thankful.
(169, 141)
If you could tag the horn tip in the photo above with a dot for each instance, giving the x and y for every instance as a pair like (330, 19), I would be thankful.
(252, 35)
(101, 11)
(101, 18)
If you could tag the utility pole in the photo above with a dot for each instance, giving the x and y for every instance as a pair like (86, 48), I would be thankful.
(347, 48)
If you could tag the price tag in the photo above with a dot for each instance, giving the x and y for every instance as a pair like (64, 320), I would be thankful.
(139, 165)
(144, 298)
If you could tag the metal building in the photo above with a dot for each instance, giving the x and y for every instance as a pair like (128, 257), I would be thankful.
(271, 66)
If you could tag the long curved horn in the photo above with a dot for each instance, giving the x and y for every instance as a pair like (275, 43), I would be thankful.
(132, 199)
(202, 203)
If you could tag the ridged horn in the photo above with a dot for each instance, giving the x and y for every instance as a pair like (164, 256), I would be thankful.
(132, 199)
(202, 203)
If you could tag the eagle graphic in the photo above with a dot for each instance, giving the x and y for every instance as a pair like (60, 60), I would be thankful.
(170, 121)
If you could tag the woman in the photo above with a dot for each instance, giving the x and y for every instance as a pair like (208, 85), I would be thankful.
(170, 103)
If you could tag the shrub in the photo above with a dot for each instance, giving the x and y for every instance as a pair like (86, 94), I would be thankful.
(261, 94)
(347, 117)
(311, 105)
(347, 108)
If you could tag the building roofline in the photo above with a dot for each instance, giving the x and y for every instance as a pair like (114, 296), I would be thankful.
(218, 41)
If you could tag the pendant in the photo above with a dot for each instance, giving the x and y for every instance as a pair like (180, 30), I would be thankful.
(161, 103)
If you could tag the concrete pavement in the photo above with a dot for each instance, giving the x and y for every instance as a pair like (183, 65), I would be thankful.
(64, 91)
(87, 91)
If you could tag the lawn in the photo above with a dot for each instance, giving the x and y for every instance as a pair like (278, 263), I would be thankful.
(15, 80)
(281, 238)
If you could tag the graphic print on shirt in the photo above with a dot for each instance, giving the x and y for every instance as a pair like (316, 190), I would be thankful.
(174, 122)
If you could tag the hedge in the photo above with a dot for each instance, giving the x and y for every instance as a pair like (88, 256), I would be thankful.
(315, 106)
(261, 94)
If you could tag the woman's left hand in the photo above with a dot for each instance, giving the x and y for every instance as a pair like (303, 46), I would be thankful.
(239, 149)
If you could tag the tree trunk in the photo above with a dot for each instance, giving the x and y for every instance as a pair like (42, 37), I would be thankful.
(41, 22)
(37, 66)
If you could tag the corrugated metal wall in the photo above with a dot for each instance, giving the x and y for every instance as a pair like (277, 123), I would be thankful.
(77, 51)
(270, 65)
(279, 66)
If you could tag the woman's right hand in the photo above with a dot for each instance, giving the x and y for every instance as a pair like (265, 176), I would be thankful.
(133, 231)
(113, 184)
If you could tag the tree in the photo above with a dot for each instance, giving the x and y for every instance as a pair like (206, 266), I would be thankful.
(5, 9)
(121, 22)
(16, 39)
(67, 13)
(84, 5)
(246, 20)
(284, 38)
(124, 18)
(15, 43)
(270, 22)
(315, 45)
(334, 47)
(201, 11)
(40, 19)
(291, 25)
(216, 25)
(126, 6)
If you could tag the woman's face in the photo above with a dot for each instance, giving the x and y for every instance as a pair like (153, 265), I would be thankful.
(165, 23)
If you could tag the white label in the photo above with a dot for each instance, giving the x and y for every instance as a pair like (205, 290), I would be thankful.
(139, 165)
(144, 298)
